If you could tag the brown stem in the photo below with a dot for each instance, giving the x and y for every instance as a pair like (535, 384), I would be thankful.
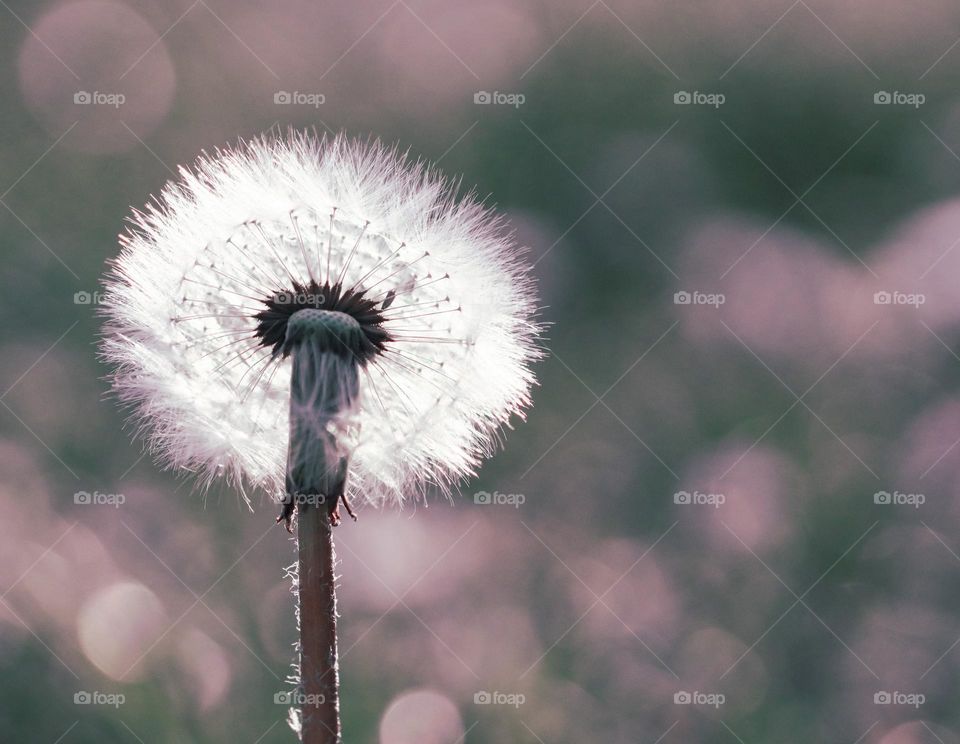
(318, 627)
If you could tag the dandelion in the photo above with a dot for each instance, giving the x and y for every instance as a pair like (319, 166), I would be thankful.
(326, 322)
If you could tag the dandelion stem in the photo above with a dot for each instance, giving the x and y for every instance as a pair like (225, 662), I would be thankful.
(324, 384)
(320, 711)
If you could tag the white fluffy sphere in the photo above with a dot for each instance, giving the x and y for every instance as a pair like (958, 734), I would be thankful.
(278, 219)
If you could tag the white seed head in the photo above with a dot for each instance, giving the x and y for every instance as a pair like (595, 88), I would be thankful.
(449, 303)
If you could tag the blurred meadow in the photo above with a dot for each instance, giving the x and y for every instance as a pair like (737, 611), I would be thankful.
(733, 514)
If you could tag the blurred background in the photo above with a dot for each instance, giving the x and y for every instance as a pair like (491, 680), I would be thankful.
(733, 514)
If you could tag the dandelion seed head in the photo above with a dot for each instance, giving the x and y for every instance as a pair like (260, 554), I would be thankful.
(431, 293)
